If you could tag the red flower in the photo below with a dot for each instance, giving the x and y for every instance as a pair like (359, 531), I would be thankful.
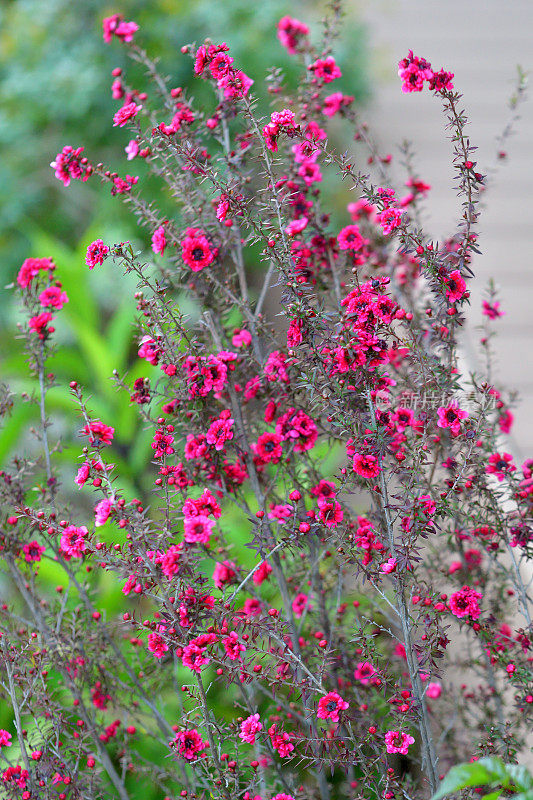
(268, 447)
(450, 416)
(325, 69)
(330, 706)
(456, 287)
(31, 267)
(159, 241)
(350, 239)
(115, 26)
(39, 323)
(196, 250)
(69, 164)
(464, 603)
(500, 465)
(189, 744)
(124, 114)
(330, 512)
(99, 432)
(366, 465)
(290, 32)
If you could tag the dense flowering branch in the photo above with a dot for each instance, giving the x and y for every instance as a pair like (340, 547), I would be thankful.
(318, 586)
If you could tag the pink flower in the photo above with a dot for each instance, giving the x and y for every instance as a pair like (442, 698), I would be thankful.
(296, 226)
(280, 741)
(53, 297)
(115, 26)
(102, 511)
(434, 690)
(198, 529)
(171, 561)
(241, 338)
(350, 239)
(331, 512)
(224, 573)
(398, 742)
(325, 69)
(492, 310)
(464, 603)
(389, 566)
(70, 164)
(233, 647)
(294, 333)
(235, 84)
(414, 71)
(285, 118)
(363, 672)
(450, 416)
(252, 607)
(195, 250)
(455, 286)
(290, 33)
(33, 551)
(299, 604)
(330, 706)
(73, 542)
(249, 727)
(99, 432)
(366, 465)
(159, 241)
(124, 114)
(261, 574)
(189, 744)
(157, 645)
(31, 267)
(123, 185)
(335, 102)
(132, 149)
(5, 738)
(389, 219)
(194, 655)
(38, 324)
(501, 465)
(220, 431)
(96, 253)
(298, 429)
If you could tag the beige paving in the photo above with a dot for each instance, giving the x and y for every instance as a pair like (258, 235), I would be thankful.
(482, 41)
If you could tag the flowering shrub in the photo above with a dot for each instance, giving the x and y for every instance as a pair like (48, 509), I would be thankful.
(380, 612)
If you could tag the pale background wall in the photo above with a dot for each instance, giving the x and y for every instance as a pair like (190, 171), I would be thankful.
(481, 41)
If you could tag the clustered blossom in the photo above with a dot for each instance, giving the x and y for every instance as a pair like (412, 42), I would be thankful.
(233, 82)
(291, 32)
(31, 268)
(69, 164)
(116, 26)
(97, 252)
(249, 728)
(415, 71)
(280, 122)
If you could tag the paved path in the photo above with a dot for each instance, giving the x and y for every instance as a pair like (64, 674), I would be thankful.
(482, 41)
